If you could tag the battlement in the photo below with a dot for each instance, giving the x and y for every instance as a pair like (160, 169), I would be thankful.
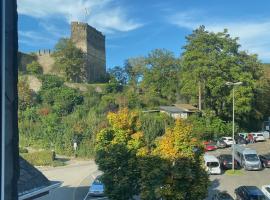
(84, 26)
(41, 52)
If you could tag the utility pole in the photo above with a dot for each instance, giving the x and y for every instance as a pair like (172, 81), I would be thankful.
(200, 96)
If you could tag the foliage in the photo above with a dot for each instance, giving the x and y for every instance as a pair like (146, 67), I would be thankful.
(211, 59)
(120, 74)
(128, 152)
(34, 68)
(69, 60)
(26, 95)
(39, 158)
(51, 81)
(209, 126)
(160, 78)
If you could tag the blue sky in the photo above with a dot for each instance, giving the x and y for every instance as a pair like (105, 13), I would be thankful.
(135, 27)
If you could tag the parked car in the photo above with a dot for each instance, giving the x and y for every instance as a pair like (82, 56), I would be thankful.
(241, 140)
(265, 159)
(258, 137)
(97, 188)
(222, 196)
(226, 162)
(247, 158)
(210, 146)
(243, 135)
(266, 190)
(212, 164)
(249, 193)
(228, 140)
(221, 144)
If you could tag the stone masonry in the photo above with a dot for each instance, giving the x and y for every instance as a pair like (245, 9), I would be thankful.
(92, 43)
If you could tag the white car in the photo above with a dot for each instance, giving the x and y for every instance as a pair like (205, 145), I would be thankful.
(228, 140)
(258, 137)
(266, 190)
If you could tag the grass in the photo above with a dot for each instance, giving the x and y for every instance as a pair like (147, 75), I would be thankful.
(43, 158)
(236, 172)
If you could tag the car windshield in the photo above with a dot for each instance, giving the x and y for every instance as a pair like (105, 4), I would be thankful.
(259, 134)
(229, 139)
(97, 181)
(268, 189)
(211, 144)
(227, 157)
(251, 157)
(212, 164)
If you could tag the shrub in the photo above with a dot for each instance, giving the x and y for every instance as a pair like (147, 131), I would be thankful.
(23, 150)
(34, 68)
(39, 158)
(51, 81)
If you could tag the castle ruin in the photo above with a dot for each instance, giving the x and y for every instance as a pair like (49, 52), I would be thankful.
(85, 37)
(92, 43)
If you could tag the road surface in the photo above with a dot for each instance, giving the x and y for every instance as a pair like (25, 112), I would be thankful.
(75, 179)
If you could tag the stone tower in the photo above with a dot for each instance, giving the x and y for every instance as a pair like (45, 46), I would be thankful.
(92, 43)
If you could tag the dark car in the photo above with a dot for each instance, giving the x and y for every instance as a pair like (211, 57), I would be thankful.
(221, 144)
(249, 193)
(222, 196)
(226, 162)
(265, 159)
(241, 140)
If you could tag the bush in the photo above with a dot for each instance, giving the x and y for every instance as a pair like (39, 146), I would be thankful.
(39, 158)
(34, 68)
(51, 81)
(23, 150)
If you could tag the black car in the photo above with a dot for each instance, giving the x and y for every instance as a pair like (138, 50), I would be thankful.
(226, 162)
(265, 159)
(220, 143)
(241, 140)
(222, 196)
(249, 193)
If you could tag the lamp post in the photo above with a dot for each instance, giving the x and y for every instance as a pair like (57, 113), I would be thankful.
(233, 84)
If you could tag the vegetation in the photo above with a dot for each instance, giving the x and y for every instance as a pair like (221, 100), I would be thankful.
(69, 60)
(34, 68)
(209, 61)
(129, 159)
(39, 158)
(117, 123)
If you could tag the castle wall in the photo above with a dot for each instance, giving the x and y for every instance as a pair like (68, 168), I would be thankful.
(46, 60)
(92, 42)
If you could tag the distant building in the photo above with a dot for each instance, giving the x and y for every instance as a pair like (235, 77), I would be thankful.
(178, 111)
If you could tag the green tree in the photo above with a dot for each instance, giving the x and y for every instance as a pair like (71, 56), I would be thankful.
(160, 78)
(69, 60)
(34, 68)
(128, 150)
(26, 95)
(210, 60)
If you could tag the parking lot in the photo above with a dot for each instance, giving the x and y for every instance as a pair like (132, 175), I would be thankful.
(228, 183)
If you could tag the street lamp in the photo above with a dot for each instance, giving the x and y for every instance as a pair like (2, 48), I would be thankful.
(233, 84)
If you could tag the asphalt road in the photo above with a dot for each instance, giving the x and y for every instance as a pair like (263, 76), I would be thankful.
(75, 179)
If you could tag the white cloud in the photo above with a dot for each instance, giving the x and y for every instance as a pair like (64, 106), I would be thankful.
(254, 36)
(33, 38)
(101, 14)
